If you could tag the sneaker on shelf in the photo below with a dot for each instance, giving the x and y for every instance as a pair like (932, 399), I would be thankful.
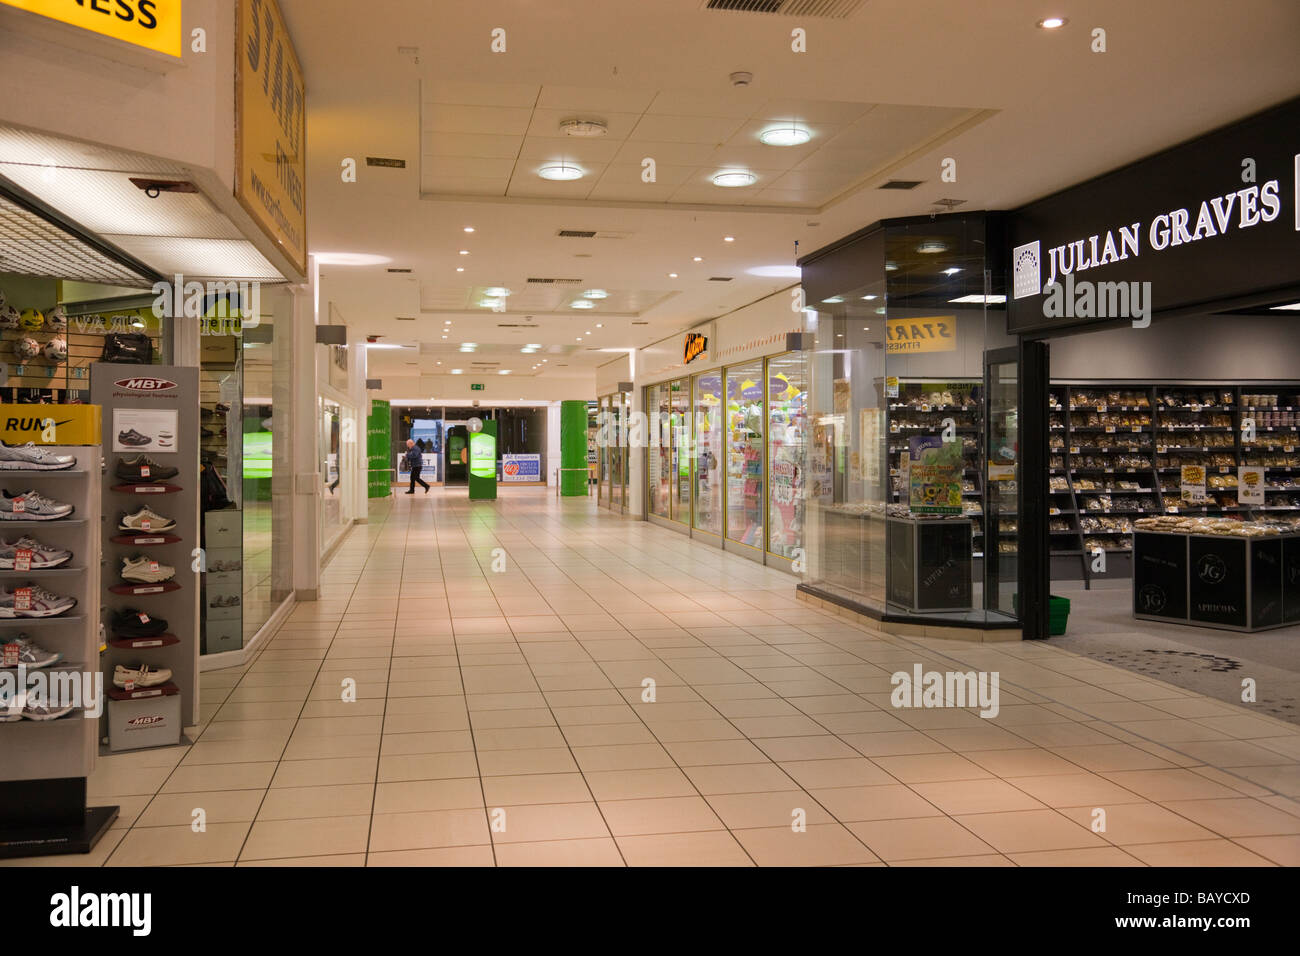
(144, 468)
(32, 600)
(31, 655)
(32, 457)
(32, 506)
(44, 710)
(143, 569)
(223, 407)
(133, 438)
(142, 676)
(42, 556)
(132, 623)
(145, 521)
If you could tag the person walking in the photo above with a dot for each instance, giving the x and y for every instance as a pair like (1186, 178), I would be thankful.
(415, 462)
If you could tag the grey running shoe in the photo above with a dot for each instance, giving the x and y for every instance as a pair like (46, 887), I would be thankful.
(32, 506)
(42, 557)
(32, 457)
(33, 600)
(32, 656)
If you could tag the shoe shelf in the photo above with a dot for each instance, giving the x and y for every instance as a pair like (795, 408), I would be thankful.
(138, 643)
(146, 488)
(143, 539)
(161, 587)
(44, 763)
(142, 693)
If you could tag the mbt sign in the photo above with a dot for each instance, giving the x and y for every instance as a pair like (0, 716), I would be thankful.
(696, 345)
(145, 384)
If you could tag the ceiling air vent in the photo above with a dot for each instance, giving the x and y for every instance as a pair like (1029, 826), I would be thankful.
(948, 202)
(405, 318)
(577, 233)
(536, 281)
(514, 325)
(901, 184)
(837, 9)
(643, 322)
(398, 271)
(720, 278)
(383, 161)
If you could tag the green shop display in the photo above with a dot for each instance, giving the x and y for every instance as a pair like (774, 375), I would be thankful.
(573, 448)
(483, 463)
(378, 448)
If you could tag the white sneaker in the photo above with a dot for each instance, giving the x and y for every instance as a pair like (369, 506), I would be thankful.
(142, 676)
(32, 457)
(146, 520)
(31, 655)
(146, 570)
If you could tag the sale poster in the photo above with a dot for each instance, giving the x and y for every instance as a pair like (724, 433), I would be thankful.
(934, 475)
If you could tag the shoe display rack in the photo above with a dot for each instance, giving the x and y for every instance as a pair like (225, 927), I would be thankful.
(1117, 450)
(153, 710)
(44, 760)
(920, 409)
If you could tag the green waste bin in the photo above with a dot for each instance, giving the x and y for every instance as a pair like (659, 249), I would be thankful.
(1058, 613)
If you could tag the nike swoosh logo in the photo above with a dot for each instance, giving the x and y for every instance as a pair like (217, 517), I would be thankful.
(64, 422)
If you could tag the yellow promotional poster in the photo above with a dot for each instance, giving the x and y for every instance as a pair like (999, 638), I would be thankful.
(271, 128)
(50, 424)
(931, 333)
(152, 24)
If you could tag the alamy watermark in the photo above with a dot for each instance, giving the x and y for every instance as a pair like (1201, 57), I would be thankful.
(203, 300)
(946, 689)
(22, 690)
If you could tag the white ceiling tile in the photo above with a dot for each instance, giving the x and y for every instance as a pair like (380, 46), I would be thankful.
(569, 148)
(468, 167)
(448, 118)
(757, 157)
(686, 129)
(828, 112)
(737, 103)
(460, 186)
(629, 175)
(901, 127)
(584, 100)
(527, 183)
(485, 145)
(823, 180)
(668, 154)
(468, 93)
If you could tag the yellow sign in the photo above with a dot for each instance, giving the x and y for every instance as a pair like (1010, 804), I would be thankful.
(271, 128)
(152, 24)
(50, 424)
(931, 333)
(696, 345)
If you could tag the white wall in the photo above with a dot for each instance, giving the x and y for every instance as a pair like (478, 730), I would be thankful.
(432, 389)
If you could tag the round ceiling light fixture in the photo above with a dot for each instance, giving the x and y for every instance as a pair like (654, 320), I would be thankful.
(1052, 23)
(932, 247)
(731, 178)
(728, 238)
(560, 172)
(787, 134)
(584, 128)
(582, 304)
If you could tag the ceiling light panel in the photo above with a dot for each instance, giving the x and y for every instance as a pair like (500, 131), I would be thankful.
(31, 246)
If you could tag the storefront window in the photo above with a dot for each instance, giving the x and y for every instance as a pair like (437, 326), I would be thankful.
(911, 509)
(787, 394)
(659, 455)
(680, 404)
(708, 452)
(744, 431)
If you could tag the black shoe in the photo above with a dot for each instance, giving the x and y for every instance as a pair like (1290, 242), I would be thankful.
(426, 489)
(133, 437)
(133, 623)
(410, 492)
(144, 468)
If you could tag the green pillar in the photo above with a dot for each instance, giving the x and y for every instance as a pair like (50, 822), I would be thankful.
(379, 449)
(483, 462)
(573, 448)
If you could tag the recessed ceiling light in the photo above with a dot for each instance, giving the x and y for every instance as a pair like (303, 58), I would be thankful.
(437, 363)
(588, 332)
(496, 291)
(932, 246)
(600, 325)
(776, 272)
(545, 360)
(952, 271)
(728, 238)
(833, 299)
(731, 178)
(444, 337)
(457, 371)
(469, 228)
(578, 339)
(866, 328)
(1052, 23)
(560, 172)
(596, 294)
(784, 135)
(446, 321)
(868, 298)
(349, 259)
(460, 268)
(891, 267)
(532, 346)
(672, 275)
(503, 371)
(699, 258)
(582, 304)
(464, 252)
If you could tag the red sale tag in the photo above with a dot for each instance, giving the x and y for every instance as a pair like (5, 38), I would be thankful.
(144, 471)
(11, 652)
(146, 524)
(144, 618)
(20, 505)
(153, 565)
(22, 599)
(23, 559)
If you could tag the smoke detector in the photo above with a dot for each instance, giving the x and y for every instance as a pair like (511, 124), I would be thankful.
(742, 78)
(584, 128)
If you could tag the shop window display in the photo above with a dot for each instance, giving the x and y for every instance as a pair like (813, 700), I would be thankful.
(787, 424)
(709, 466)
(744, 432)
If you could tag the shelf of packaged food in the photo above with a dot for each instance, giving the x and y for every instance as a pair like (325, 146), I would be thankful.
(1195, 408)
(1102, 408)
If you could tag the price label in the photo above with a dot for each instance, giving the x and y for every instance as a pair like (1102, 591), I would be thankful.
(1074, 449)
(153, 565)
(144, 471)
(11, 652)
(147, 644)
(146, 524)
(20, 505)
(144, 618)
(22, 599)
(1288, 448)
(1223, 470)
(1137, 428)
(1110, 429)
(1053, 511)
(1110, 471)
(23, 559)
(1101, 408)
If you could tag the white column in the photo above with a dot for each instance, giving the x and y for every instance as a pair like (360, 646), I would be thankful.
(306, 463)
(552, 441)
(359, 398)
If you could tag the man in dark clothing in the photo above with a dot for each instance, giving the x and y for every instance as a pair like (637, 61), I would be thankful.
(414, 462)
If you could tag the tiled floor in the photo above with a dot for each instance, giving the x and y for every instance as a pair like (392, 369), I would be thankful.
(499, 719)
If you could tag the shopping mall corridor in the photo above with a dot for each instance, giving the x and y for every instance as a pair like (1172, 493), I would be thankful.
(500, 654)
